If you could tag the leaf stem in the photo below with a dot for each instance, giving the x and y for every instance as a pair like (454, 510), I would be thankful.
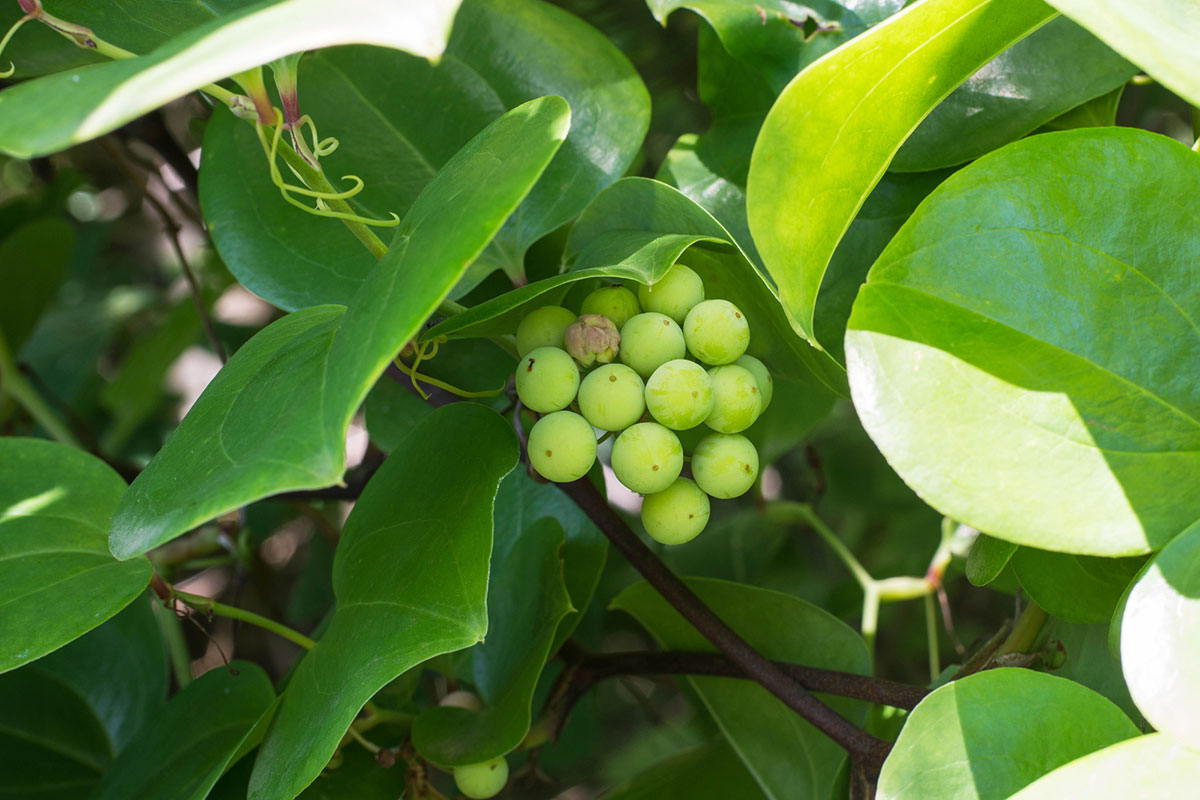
(931, 636)
(13, 382)
(209, 606)
(1025, 631)
(788, 511)
(172, 632)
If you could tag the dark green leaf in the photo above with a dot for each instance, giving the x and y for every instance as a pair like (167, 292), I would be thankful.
(988, 558)
(788, 757)
(391, 412)
(410, 576)
(1146, 766)
(1098, 113)
(1071, 587)
(1023, 353)
(1089, 663)
(990, 734)
(57, 578)
(711, 770)
(186, 748)
(33, 260)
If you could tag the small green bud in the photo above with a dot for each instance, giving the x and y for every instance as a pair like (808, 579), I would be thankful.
(593, 339)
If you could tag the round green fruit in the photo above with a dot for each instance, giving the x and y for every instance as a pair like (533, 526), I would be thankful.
(725, 465)
(647, 458)
(716, 332)
(615, 302)
(481, 781)
(677, 514)
(562, 446)
(612, 397)
(766, 384)
(543, 327)
(736, 399)
(650, 340)
(679, 394)
(675, 293)
(547, 379)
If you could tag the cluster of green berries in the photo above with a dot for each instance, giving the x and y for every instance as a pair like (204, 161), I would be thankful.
(641, 384)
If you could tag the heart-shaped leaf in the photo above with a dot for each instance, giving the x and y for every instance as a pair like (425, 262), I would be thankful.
(275, 418)
(410, 576)
(52, 113)
(1145, 766)
(57, 577)
(990, 734)
(1064, 431)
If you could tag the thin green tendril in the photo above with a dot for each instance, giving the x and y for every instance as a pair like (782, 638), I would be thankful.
(277, 176)
(417, 376)
(320, 147)
(4, 43)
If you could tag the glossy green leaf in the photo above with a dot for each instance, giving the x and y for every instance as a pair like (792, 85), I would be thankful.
(410, 576)
(391, 412)
(57, 577)
(1071, 587)
(992, 733)
(1033, 314)
(852, 110)
(788, 757)
(52, 113)
(501, 53)
(1040, 77)
(186, 748)
(1157, 35)
(526, 602)
(33, 260)
(275, 418)
(1146, 766)
(1089, 663)
(710, 770)
(1160, 639)
(987, 559)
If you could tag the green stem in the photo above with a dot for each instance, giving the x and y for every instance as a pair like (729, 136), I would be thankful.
(1025, 631)
(172, 631)
(13, 382)
(803, 512)
(209, 606)
(931, 634)
(870, 617)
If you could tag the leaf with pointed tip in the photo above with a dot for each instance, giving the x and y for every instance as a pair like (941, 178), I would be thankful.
(987, 559)
(186, 748)
(1082, 425)
(1154, 765)
(992, 733)
(275, 418)
(852, 110)
(52, 113)
(410, 576)
(57, 578)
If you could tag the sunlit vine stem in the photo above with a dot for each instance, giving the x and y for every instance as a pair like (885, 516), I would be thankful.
(207, 605)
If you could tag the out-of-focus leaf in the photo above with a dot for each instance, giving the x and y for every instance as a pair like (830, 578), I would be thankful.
(33, 260)
(711, 770)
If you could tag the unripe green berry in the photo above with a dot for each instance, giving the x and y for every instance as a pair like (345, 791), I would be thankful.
(647, 458)
(676, 514)
(481, 781)
(562, 446)
(716, 332)
(592, 339)
(650, 340)
(547, 379)
(679, 394)
(725, 465)
(543, 327)
(675, 293)
(615, 302)
(612, 397)
(766, 384)
(736, 399)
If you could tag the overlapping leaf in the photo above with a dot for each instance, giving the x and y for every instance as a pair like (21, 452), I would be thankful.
(1071, 587)
(1146, 766)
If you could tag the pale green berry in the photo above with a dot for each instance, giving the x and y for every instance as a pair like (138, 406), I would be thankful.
(615, 302)
(562, 446)
(612, 397)
(543, 327)
(725, 465)
(716, 332)
(461, 698)
(679, 394)
(766, 384)
(650, 340)
(547, 379)
(736, 399)
(676, 514)
(481, 781)
(647, 458)
(675, 293)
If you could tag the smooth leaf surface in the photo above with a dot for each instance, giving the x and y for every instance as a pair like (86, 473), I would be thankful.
(33, 260)
(186, 748)
(1160, 639)
(1145, 766)
(987, 559)
(1077, 430)
(710, 770)
(1157, 35)
(992, 733)
(1072, 587)
(852, 110)
(410, 576)
(787, 756)
(377, 103)
(275, 418)
(1089, 663)
(1055, 68)
(57, 577)
(526, 602)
